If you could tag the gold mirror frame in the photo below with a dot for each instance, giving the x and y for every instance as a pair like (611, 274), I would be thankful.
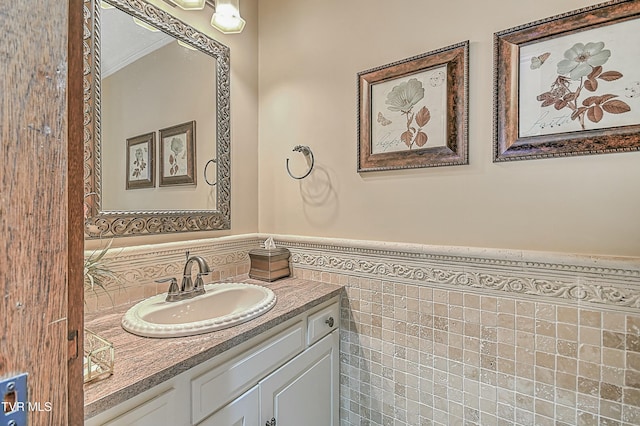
(99, 223)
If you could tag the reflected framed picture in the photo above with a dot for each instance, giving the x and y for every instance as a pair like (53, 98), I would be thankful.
(178, 155)
(141, 153)
(413, 113)
(569, 84)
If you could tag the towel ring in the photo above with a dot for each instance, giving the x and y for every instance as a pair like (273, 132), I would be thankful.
(213, 160)
(307, 152)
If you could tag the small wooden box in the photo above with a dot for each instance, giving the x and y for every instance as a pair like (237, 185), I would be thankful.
(269, 264)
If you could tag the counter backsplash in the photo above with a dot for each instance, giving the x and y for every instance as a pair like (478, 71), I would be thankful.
(600, 281)
(137, 268)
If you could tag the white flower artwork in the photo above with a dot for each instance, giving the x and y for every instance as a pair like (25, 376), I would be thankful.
(410, 112)
(579, 81)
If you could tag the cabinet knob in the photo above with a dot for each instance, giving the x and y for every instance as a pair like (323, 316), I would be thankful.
(329, 322)
(271, 422)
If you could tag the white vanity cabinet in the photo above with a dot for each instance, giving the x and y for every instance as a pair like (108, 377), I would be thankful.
(289, 374)
(305, 390)
(243, 411)
(161, 409)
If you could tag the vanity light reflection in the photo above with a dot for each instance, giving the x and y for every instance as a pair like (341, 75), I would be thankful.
(190, 4)
(226, 18)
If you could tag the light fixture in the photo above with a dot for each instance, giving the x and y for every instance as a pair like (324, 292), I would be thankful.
(185, 45)
(226, 18)
(190, 4)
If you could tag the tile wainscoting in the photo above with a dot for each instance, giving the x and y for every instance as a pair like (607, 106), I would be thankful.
(446, 335)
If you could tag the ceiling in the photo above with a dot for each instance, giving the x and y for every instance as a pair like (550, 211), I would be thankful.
(123, 42)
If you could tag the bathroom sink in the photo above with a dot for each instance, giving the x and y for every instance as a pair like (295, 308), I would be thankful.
(223, 305)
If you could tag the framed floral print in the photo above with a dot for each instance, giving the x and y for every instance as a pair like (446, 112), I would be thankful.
(413, 113)
(569, 84)
(178, 155)
(141, 153)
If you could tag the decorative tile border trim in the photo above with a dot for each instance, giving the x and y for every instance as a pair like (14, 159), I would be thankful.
(568, 290)
(599, 280)
(223, 250)
(604, 281)
(497, 258)
(140, 265)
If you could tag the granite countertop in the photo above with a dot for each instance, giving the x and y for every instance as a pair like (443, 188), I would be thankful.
(142, 362)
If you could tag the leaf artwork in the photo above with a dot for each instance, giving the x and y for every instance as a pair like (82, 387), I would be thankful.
(173, 162)
(579, 73)
(177, 147)
(139, 163)
(402, 99)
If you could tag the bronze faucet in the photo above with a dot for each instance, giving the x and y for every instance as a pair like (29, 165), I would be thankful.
(188, 289)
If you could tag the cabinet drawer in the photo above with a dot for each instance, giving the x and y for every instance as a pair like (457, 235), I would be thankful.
(159, 410)
(323, 322)
(215, 388)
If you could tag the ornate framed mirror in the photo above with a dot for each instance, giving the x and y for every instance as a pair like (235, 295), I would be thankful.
(146, 111)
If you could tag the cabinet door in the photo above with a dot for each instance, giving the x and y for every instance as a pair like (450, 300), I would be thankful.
(243, 411)
(305, 390)
(222, 384)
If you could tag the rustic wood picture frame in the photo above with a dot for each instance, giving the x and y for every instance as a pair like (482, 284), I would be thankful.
(588, 91)
(429, 93)
(178, 155)
(141, 161)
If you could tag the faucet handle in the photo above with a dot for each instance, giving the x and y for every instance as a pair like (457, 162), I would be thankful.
(198, 287)
(173, 281)
(174, 291)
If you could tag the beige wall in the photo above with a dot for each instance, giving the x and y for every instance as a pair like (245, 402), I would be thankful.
(310, 53)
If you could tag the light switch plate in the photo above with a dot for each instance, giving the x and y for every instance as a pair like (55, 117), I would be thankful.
(13, 394)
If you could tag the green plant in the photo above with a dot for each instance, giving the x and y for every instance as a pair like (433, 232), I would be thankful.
(97, 270)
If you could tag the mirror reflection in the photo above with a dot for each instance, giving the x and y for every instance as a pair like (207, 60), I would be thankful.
(150, 82)
(157, 123)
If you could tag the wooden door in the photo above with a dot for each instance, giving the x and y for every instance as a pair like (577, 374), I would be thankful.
(41, 219)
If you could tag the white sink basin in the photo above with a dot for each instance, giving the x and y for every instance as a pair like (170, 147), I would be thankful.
(223, 305)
